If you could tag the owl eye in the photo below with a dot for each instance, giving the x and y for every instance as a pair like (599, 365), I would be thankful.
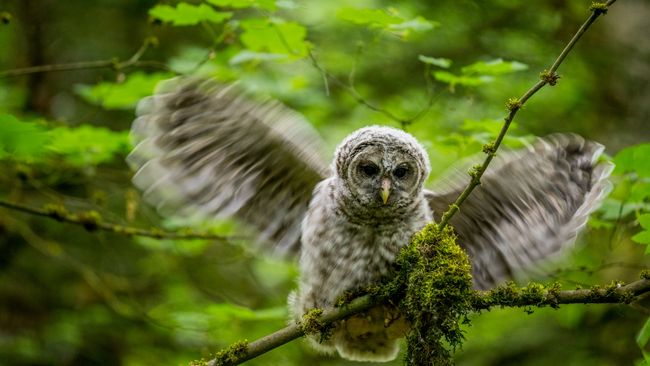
(400, 172)
(369, 169)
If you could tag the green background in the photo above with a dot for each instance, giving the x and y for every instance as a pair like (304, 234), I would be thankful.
(73, 297)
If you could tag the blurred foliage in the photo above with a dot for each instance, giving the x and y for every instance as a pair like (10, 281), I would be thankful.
(71, 297)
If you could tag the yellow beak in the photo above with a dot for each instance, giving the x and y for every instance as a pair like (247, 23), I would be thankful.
(385, 190)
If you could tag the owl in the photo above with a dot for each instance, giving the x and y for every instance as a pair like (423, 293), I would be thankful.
(206, 149)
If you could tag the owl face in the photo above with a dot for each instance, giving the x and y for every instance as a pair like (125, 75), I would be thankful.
(382, 167)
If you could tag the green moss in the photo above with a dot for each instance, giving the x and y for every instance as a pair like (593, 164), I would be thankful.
(509, 295)
(551, 78)
(433, 289)
(5, 17)
(489, 148)
(90, 220)
(231, 354)
(57, 212)
(475, 172)
(513, 104)
(126, 230)
(311, 324)
(553, 294)
(610, 290)
(347, 296)
(201, 362)
(598, 8)
(627, 297)
(645, 274)
(157, 233)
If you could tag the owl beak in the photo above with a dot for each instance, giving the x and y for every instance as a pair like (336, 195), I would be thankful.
(385, 190)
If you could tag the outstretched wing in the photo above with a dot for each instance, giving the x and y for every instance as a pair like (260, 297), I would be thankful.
(530, 205)
(205, 149)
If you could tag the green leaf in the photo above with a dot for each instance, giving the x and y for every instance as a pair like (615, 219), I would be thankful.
(121, 95)
(633, 159)
(251, 56)
(374, 18)
(600, 224)
(440, 62)
(386, 19)
(642, 238)
(274, 36)
(82, 146)
(494, 67)
(418, 24)
(640, 191)
(87, 145)
(241, 4)
(188, 14)
(645, 361)
(611, 208)
(452, 79)
(644, 334)
(644, 221)
(21, 140)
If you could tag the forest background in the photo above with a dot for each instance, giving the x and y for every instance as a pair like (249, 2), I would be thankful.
(75, 295)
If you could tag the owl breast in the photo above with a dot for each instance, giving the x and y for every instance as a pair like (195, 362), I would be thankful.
(340, 253)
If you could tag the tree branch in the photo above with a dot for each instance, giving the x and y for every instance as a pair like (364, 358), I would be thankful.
(503, 296)
(115, 64)
(289, 333)
(507, 295)
(360, 99)
(514, 105)
(92, 221)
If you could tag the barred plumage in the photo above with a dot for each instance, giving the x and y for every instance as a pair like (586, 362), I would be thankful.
(530, 205)
(206, 149)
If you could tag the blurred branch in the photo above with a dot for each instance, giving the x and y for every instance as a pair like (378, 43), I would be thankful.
(359, 98)
(115, 64)
(550, 77)
(92, 221)
(88, 273)
(503, 296)
(349, 87)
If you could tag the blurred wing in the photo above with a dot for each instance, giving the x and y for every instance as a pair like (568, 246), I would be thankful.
(530, 205)
(205, 149)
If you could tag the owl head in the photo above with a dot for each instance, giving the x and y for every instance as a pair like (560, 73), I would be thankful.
(382, 167)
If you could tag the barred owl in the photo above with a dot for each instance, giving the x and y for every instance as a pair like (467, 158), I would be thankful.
(206, 149)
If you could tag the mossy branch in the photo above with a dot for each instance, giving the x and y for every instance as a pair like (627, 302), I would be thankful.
(92, 221)
(533, 295)
(291, 332)
(114, 63)
(513, 105)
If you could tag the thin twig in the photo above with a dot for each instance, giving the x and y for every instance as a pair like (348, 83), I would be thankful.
(115, 64)
(92, 221)
(514, 105)
(360, 99)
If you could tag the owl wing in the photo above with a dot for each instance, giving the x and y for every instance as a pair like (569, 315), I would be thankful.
(530, 205)
(204, 149)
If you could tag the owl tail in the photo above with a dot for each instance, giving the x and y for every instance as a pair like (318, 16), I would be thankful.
(375, 347)
(372, 336)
